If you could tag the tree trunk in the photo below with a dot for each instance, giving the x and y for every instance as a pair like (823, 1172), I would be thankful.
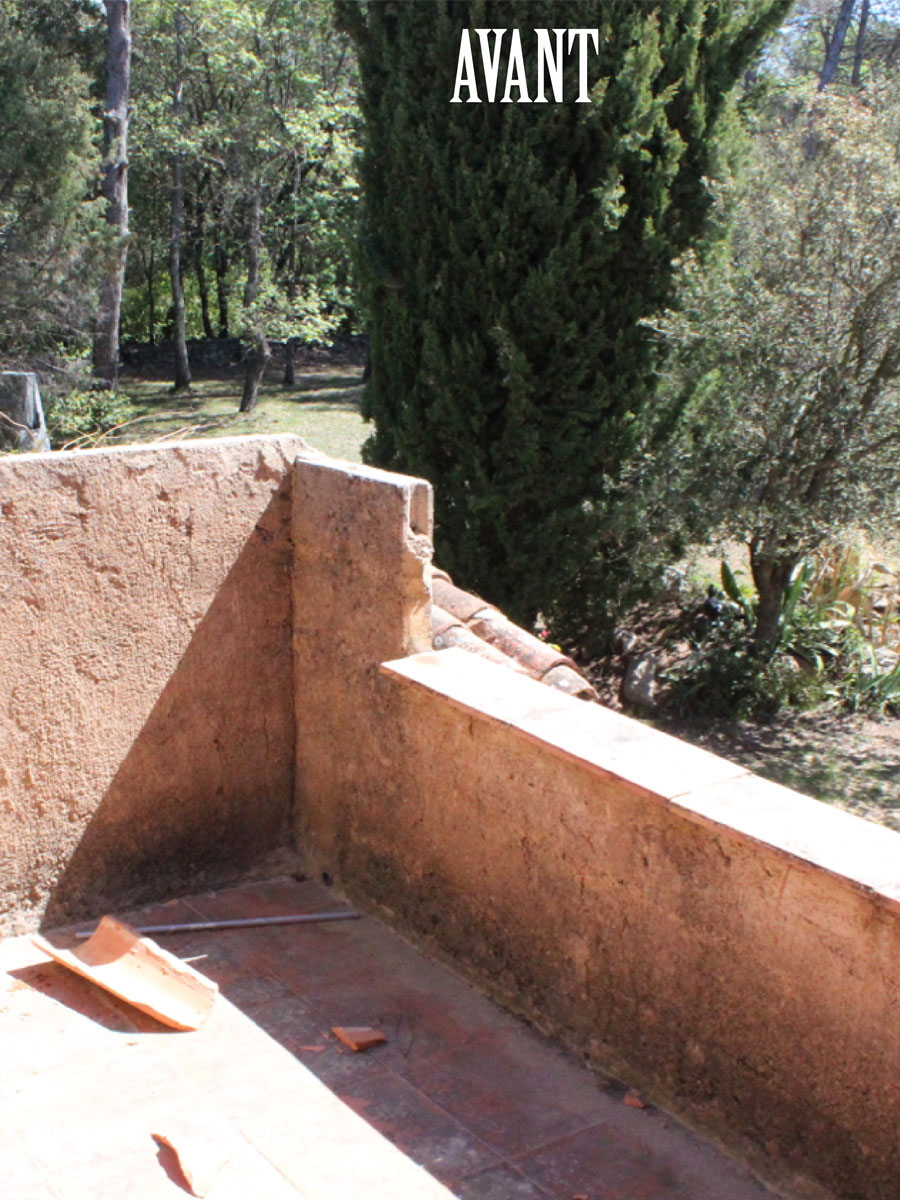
(220, 261)
(772, 568)
(259, 360)
(255, 372)
(150, 276)
(289, 349)
(860, 44)
(105, 355)
(836, 44)
(182, 366)
(200, 268)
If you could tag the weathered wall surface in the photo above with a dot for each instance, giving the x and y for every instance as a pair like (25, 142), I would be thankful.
(730, 946)
(192, 677)
(146, 689)
(362, 561)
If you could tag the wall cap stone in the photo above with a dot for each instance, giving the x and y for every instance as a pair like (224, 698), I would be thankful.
(288, 441)
(705, 788)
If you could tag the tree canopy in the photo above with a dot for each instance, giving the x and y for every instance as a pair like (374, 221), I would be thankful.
(48, 224)
(792, 348)
(266, 122)
(508, 255)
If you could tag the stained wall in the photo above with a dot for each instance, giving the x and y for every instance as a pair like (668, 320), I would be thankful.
(146, 680)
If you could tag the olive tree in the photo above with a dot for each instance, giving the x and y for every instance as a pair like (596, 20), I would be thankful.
(792, 351)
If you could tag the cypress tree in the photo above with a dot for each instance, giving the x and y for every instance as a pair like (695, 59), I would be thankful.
(509, 252)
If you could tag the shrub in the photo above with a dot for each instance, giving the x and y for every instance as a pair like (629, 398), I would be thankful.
(81, 416)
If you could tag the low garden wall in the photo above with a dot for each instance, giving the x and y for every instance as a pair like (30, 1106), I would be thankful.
(728, 945)
(146, 687)
(216, 652)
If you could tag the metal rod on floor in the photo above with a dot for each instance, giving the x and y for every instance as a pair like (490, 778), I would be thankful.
(241, 923)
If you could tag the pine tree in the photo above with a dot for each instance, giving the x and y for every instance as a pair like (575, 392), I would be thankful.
(509, 252)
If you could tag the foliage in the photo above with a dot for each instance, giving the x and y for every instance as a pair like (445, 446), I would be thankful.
(872, 42)
(872, 590)
(264, 132)
(508, 253)
(793, 348)
(76, 416)
(268, 109)
(866, 685)
(821, 654)
(724, 678)
(811, 631)
(48, 228)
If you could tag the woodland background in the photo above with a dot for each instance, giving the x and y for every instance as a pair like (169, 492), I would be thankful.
(620, 338)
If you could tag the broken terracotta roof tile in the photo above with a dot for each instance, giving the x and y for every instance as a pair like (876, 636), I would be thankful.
(463, 605)
(447, 630)
(537, 656)
(566, 679)
(138, 971)
(200, 1155)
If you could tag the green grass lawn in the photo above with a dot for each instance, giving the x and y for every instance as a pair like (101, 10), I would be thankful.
(323, 408)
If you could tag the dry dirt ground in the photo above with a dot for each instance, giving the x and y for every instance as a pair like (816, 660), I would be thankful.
(839, 757)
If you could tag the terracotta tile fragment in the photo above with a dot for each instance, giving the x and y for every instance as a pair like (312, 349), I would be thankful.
(358, 1037)
(135, 969)
(200, 1156)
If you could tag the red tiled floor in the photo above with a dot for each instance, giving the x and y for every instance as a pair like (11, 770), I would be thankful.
(517, 1092)
(599, 1163)
(421, 1129)
(488, 1107)
(501, 1183)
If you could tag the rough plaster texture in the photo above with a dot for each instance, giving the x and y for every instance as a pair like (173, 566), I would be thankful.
(362, 561)
(730, 946)
(146, 693)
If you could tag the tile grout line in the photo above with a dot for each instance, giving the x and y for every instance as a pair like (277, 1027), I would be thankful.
(504, 1159)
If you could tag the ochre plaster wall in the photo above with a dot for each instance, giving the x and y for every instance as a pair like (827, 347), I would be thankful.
(146, 684)
(728, 945)
(362, 561)
(192, 677)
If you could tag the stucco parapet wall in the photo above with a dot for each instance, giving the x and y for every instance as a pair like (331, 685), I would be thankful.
(362, 563)
(727, 945)
(604, 741)
(146, 646)
(704, 787)
(285, 446)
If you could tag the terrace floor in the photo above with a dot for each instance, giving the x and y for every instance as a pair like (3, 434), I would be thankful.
(488, 1109)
